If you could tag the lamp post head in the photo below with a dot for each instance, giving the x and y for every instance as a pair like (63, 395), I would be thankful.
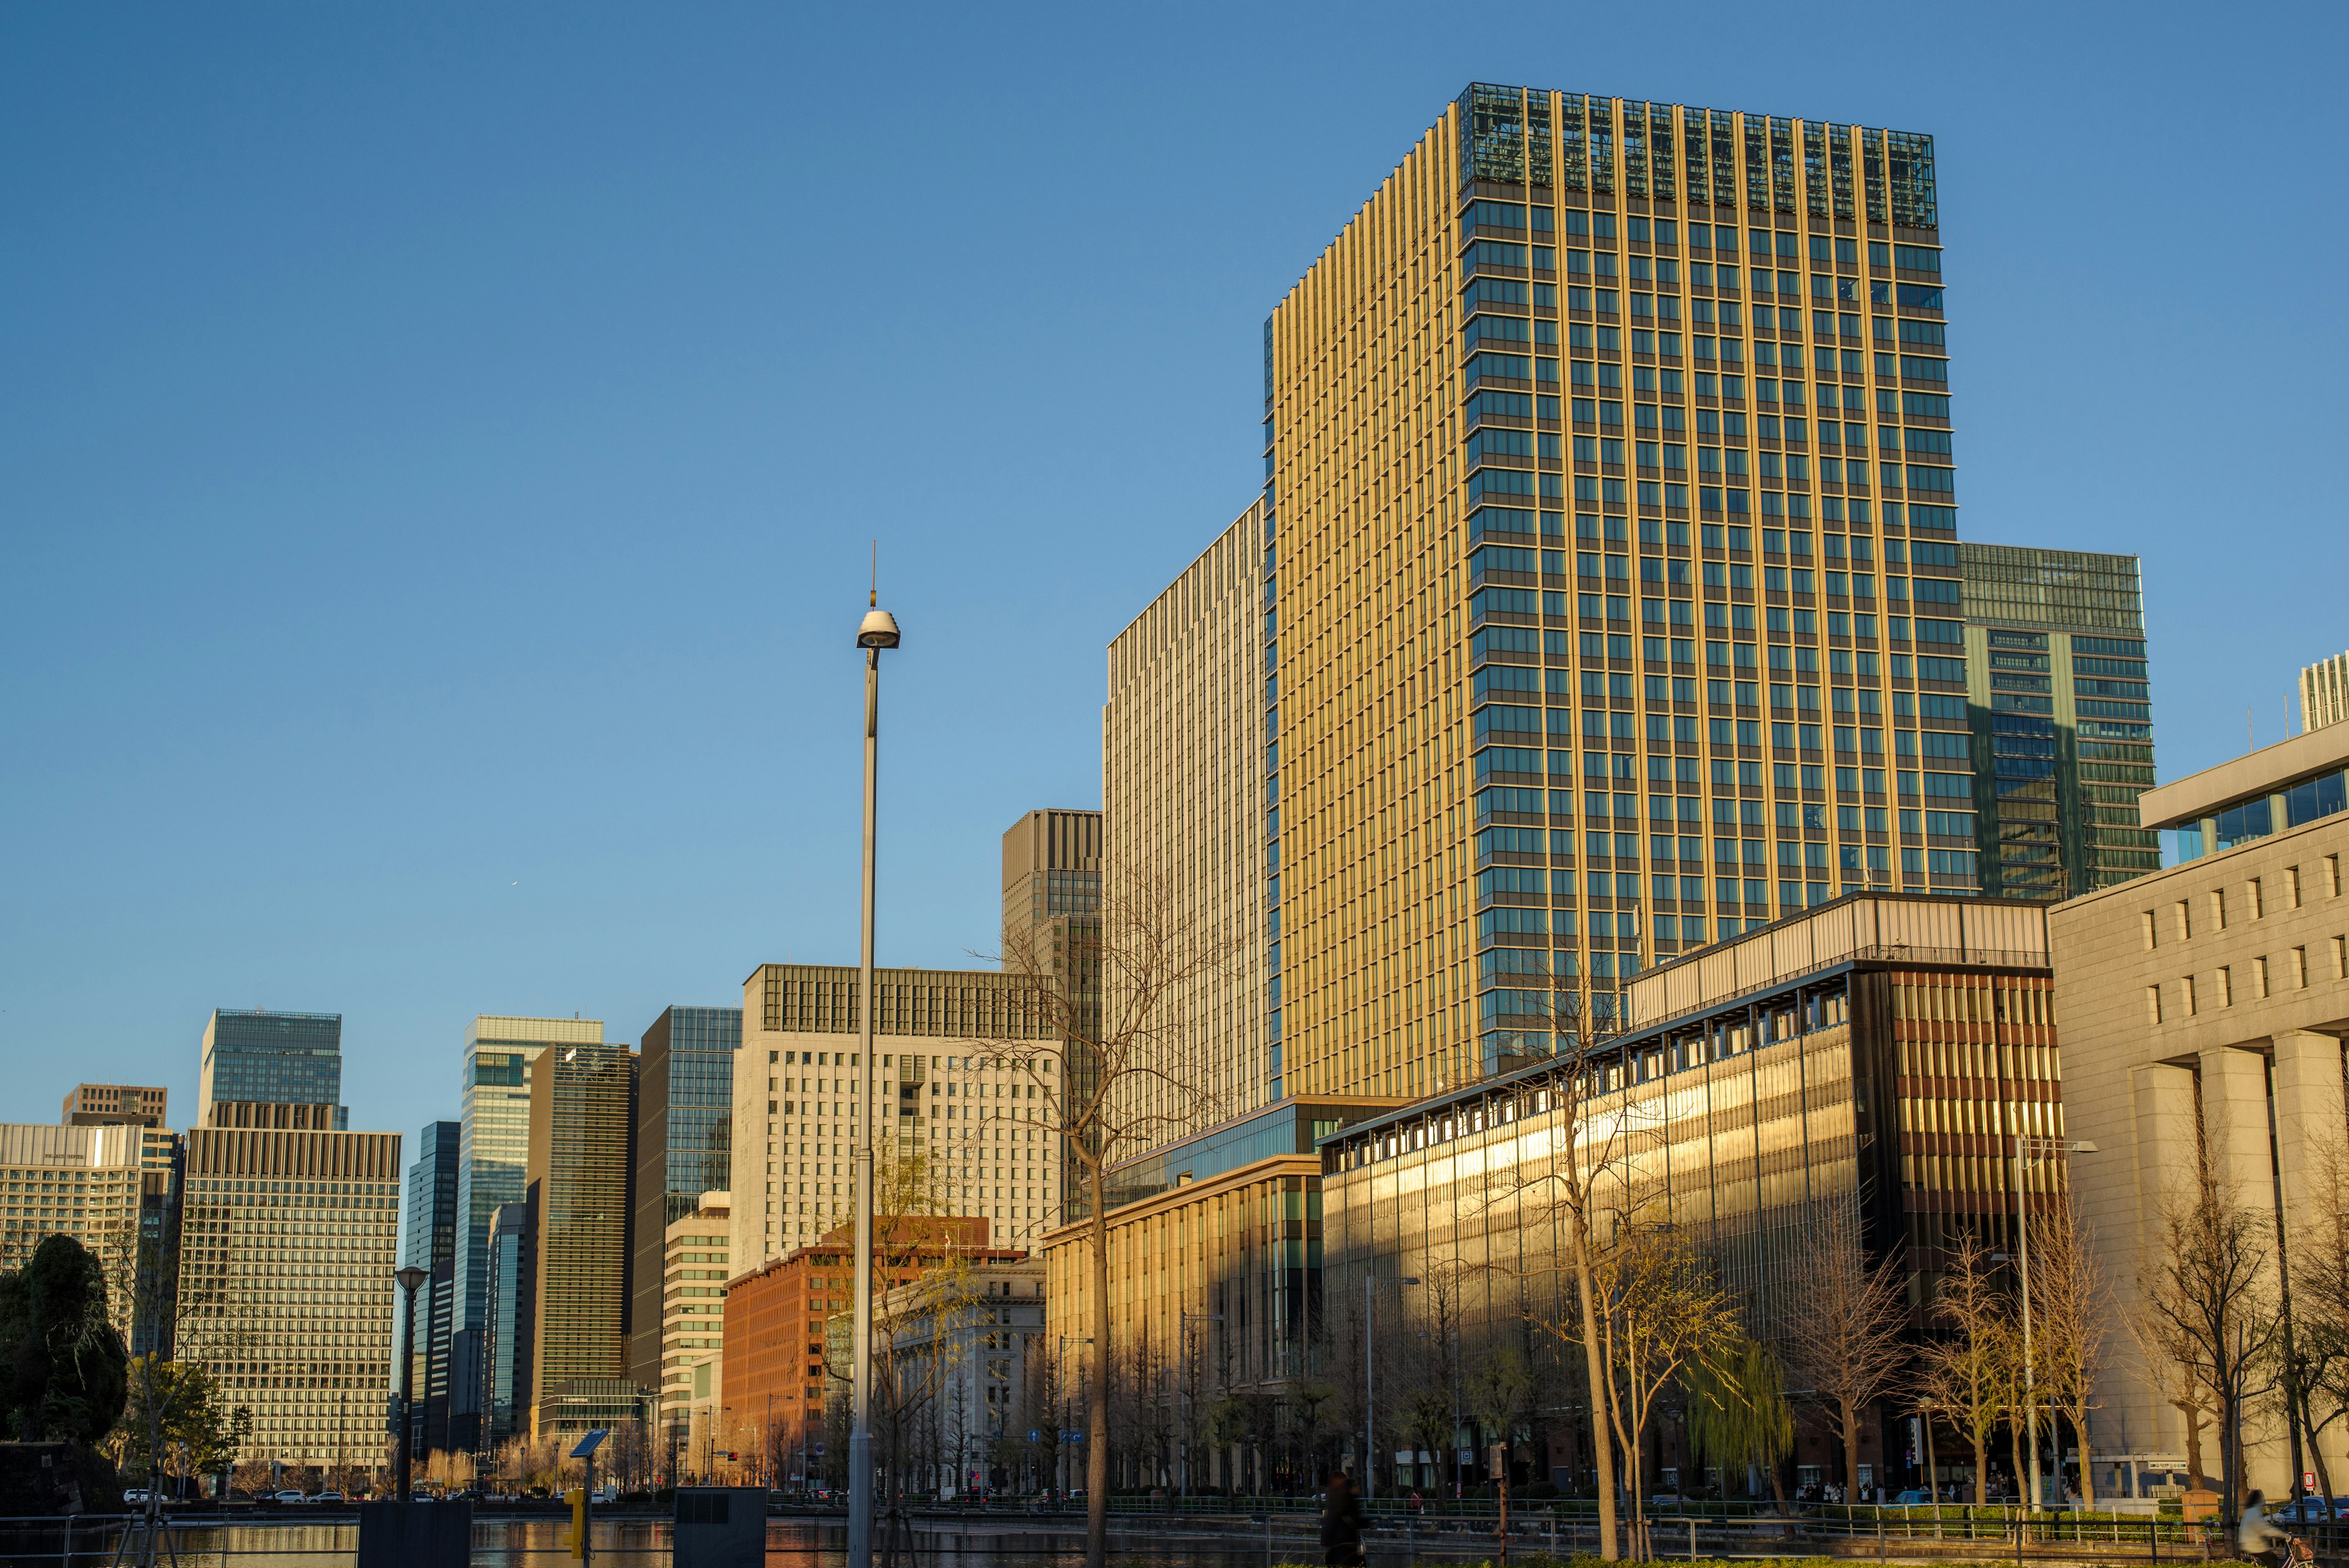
(411, 1277)
(879, 629)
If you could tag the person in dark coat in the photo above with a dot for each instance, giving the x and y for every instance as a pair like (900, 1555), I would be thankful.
(1342, 1523)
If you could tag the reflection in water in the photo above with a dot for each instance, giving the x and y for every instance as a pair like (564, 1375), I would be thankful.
(644, 1543)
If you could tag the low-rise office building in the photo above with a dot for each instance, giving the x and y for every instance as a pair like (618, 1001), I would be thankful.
(1877, 1056)
(2204, 1009)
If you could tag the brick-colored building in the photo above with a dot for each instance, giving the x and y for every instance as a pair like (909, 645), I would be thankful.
(770, 1409)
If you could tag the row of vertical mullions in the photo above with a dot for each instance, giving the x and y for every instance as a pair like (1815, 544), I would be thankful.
(1536, 136)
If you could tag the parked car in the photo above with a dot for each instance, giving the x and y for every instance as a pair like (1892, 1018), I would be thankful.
(288, 1497)
(1915, 1497)
(138, 1497)
(2310, 1511)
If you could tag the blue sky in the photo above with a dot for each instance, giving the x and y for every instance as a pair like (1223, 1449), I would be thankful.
(440, 447)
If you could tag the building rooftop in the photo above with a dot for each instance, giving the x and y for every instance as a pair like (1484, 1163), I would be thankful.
(2183, 802)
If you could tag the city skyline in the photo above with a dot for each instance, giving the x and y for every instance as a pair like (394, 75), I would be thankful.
(459, 814)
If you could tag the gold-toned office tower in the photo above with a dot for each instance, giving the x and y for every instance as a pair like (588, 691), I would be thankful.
(1612, 598)
(582, 1104)
(1183, 786)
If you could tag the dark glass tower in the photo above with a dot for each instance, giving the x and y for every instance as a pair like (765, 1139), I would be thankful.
(259, 1058)
(2061, 710)
(428, 1242)
(685, 1147)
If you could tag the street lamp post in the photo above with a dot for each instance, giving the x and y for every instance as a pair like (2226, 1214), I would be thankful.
(1370, 1392)
(409, 1278)
(1183, 1321)
(877, 631)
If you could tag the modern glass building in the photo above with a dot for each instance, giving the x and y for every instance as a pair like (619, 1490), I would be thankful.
(1053, 916)
(582, 1102)
(1611, 599)
(685, 1147)
(509, 1312)
(258, 1057)
(2060, 706)
(494, 1138)
(1874, 1059)
(428, 1242)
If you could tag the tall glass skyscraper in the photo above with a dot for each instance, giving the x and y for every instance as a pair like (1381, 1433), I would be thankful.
(258, 1057)
(493, 1142)
(1611, 597)
(685, 1147)
(2061, 709)
(428, 1242)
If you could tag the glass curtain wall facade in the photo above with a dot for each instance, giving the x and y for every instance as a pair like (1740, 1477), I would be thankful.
(258, 1057)
(1182, 783)
(685, 1147)
(1867, 1056)
(508, 1313)
(428, 1242)
(1611, 600)
(494, 1143)
(2063, 724)
(1051, 916)
(583, 1103)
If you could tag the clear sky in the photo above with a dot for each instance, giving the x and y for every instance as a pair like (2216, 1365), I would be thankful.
(439, 446)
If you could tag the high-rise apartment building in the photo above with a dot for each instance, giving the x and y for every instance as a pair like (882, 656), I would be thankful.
(493, 1146)
(1611, 600)
(2325, 692)
(578, 1173)
(259, 1058)
(950, 1114)
(2057, 697)
(685, 1147)
(1183, 788)
(287, 1242)
(113, 1105)
(428, 1242)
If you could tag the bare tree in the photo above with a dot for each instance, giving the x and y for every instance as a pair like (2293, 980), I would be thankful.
(2069, 1306)
(2212, 1300)
(1844, 1343)
(2320, 1269)
(1570, 1192)
(1108, 1067)
(1662, 1311)
(1963, 1377)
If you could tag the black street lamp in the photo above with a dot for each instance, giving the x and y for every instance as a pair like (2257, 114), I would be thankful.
(408, 1278)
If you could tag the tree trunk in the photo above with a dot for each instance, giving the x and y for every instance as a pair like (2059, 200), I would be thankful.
(2193, 1414)
(1981, 1468)
(1601, 1443)
(1097, 1417)
(1504, 1503)
(2087, 1482)
(1850, 1451)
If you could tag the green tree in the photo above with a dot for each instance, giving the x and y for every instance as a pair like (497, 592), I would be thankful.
(1501, 1394)
(1738, 1413)
(197, 1432)
(63, 1378)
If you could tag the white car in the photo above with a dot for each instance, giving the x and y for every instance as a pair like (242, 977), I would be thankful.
(291, 1497)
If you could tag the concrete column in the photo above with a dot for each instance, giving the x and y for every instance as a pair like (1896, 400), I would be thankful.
(2135, 1419)
(2312, 1117)
(2235, 1125)
(2313, 1155)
